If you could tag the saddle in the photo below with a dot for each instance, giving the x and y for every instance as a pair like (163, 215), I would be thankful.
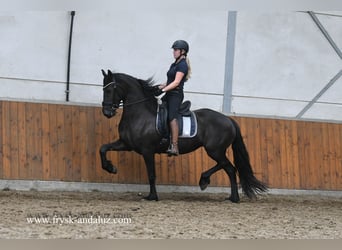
(187, 121)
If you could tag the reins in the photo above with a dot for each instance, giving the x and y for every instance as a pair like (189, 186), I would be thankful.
(136, 102)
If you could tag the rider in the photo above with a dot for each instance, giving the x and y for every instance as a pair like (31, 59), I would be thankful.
(177, 75)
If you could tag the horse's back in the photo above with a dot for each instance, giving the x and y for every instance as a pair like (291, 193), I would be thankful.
(215, 124)
(212, 116)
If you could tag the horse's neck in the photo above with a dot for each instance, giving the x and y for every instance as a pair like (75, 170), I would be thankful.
(137, 101)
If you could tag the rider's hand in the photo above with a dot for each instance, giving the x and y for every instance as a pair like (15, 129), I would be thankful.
(161, 86)
(157, 90)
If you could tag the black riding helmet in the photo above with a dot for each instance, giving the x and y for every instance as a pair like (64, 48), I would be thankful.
(181, 44)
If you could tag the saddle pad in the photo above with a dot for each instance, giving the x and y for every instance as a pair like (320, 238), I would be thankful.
(187, 126)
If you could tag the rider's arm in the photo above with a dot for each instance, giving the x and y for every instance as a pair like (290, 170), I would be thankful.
(175, 83)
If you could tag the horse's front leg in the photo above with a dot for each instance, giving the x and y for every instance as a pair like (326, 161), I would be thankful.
(151, 172)
(115, 146)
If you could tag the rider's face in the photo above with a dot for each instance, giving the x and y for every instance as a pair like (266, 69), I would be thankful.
(176, 53)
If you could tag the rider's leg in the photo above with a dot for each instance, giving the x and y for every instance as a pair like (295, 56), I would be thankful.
(173, 149)
(174, 101)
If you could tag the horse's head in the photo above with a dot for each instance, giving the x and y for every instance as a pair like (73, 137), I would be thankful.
(111, 94)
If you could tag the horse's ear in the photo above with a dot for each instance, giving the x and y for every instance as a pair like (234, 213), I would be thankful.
(110, 73)
(103, 73)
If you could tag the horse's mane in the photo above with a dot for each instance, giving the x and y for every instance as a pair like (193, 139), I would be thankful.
(148, 85)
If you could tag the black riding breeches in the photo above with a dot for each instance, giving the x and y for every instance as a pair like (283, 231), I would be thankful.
(174, 99)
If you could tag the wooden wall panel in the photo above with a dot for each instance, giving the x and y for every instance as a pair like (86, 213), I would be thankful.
(1, 143)
(6, 135)
(61, 142)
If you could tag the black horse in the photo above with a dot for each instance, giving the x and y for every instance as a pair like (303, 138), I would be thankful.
(137, 132)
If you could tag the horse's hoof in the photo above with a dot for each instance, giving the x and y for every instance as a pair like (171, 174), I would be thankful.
(151, 197)
(233, 199)
(203, 183)
(203, 186)
(110, 168)
(114, 170)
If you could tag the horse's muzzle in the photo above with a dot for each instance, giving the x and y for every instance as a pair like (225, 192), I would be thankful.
(109, 113)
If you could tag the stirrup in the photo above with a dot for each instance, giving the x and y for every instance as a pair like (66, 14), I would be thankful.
(173, 149)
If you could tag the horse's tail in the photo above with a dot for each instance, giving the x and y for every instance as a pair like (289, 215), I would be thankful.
(250, 185)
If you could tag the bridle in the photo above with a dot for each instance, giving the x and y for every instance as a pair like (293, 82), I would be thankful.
(115, 106)
(109, 84)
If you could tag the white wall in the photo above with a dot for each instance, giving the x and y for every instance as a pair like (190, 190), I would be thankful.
(281, 61)
(137, 43)
(33, 55)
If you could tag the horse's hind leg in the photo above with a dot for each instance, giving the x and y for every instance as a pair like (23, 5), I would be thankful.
(205, 176)
(231, 172)
(220, 157)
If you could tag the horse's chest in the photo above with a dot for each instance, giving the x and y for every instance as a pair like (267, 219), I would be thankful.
(132, 135)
